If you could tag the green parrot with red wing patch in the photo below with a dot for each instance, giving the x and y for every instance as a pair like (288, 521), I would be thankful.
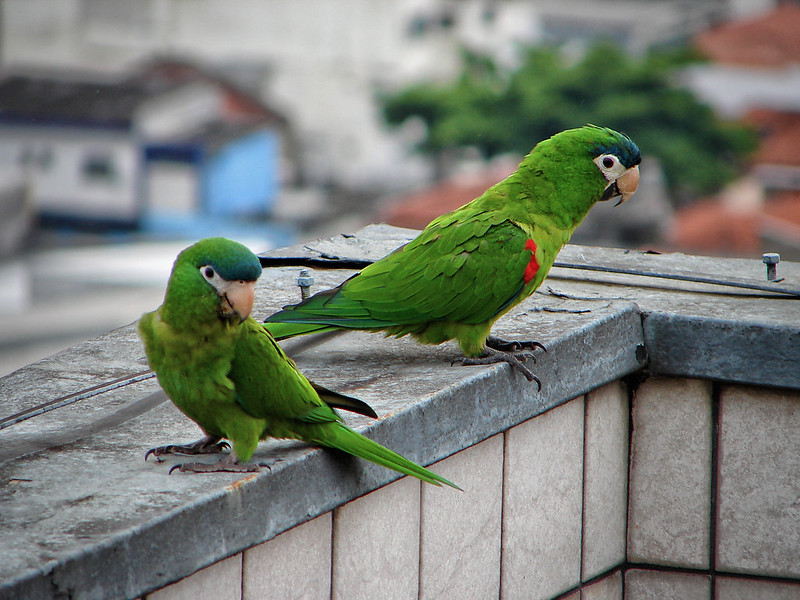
(469, 267)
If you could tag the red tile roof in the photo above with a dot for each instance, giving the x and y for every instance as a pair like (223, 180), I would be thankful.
(710, 227)
(771, 40)
(780, 136)
(417, 209)
(785, 206)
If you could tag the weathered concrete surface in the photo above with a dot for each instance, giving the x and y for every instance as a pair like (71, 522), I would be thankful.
(83, 516)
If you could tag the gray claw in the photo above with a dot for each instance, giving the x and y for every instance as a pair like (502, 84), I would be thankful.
(492, 356)
(209, 444)
(497, 343)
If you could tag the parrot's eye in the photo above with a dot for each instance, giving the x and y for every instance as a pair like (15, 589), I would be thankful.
(207, 272)
(610, 166)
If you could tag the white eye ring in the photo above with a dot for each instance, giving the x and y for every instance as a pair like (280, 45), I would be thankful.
(208, 273)
(610, 166)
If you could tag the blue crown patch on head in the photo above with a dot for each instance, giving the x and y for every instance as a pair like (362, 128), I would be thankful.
(621, 146)
(232, 260)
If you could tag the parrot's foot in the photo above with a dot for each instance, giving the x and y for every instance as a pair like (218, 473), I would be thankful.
(229, 464)
(497, 343)
(491, 356)
(210, 444)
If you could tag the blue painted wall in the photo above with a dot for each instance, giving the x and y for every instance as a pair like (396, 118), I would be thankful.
(242, 177)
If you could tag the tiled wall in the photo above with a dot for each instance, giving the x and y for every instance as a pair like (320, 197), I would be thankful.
(714, 492)
(702, 500)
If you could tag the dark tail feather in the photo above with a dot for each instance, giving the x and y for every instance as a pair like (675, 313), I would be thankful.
(337, 400)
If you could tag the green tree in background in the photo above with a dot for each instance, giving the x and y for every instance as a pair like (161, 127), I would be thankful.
(497, 111)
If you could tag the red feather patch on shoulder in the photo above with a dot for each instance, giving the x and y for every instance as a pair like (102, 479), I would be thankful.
(533, 265)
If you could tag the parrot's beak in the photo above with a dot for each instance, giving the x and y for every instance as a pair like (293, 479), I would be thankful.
(237, 299)
(627, 184)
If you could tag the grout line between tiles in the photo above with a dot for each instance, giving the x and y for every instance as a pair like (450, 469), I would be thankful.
(716, 391)
(419, 542)
(583, 489)
(503, 510)
(333, 550)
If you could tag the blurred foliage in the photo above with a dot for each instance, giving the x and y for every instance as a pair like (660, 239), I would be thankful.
(500, 111)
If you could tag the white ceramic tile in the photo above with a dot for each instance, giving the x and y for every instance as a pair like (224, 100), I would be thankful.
(758, 527)
(670, 480)
(661, 585)
(608, 588)
(220, 581)
(376, 544)
(605, 490)
(734, 588)
(541, 548)
(460, 535)
(294, 565)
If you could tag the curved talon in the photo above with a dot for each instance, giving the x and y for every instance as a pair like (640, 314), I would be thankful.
(208, 445)
(154, 452)
(492, 356)
(502, 345)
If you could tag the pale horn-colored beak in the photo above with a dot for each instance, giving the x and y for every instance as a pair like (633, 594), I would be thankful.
(627, 184)
(237, 299)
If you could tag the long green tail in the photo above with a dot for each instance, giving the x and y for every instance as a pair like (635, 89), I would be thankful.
(324, 311)
(339, 436)
(283, 331)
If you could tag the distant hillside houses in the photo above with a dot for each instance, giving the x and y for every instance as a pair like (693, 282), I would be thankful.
(753, 73)
(325, 64)
(169, 140)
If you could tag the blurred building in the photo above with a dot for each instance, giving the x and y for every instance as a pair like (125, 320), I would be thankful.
(16, 212)
(753, 74)
(168, 140)
(321, 62)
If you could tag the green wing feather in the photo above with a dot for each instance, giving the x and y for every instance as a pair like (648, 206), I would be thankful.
(465, 267)
(269, 386)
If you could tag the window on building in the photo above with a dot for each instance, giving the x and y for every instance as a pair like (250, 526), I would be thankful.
(99, 167)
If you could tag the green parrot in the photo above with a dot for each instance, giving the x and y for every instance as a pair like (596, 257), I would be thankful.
(469, 267)
(225, 371)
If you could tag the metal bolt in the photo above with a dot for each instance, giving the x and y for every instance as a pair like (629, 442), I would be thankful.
(771, 259)
(304, 281)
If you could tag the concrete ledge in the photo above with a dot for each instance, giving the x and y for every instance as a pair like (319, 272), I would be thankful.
(82, 515)
(723, 349)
